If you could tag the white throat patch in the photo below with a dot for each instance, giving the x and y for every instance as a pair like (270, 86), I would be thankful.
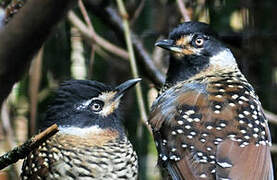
(223, 59)
(80, 131)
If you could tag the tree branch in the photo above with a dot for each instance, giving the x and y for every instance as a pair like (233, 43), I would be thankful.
(22, 37)
(23, 150)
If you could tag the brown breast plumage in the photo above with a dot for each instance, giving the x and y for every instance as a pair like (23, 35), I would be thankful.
(72, 157)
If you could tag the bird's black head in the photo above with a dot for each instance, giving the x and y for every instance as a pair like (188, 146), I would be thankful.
(83, 104)
(194, 47)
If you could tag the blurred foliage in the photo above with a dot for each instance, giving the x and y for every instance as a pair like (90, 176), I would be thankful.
(255, 48)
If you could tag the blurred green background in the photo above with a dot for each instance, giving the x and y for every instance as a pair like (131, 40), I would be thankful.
(248, 27)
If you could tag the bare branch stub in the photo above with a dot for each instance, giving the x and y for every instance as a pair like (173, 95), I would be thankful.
(23, 150)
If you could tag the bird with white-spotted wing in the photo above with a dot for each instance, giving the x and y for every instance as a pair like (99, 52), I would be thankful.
(202, 133)
(207, 121)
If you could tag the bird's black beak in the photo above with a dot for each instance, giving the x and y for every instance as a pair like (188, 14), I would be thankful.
(168, 44)
(122, 88)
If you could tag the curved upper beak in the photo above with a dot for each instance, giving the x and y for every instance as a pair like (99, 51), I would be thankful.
(168, 44)
(122, 88)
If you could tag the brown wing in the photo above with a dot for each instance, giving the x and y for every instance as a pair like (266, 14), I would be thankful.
(250, 162)
(201, 131)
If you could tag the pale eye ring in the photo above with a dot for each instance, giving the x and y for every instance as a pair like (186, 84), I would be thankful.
(199, 42)
(96, 107)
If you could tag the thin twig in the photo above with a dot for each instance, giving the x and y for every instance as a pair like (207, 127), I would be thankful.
(183, 10)
(95, 37)
(273, 149)
(137, 12)
(85, 15)
(34, 74)
(87, 34)
(134, 70)
(23, 150)
(91, 62)
(272, 118)
(90, 26)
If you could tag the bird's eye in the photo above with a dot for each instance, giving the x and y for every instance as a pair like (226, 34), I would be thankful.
(199, 42)
(96, 106)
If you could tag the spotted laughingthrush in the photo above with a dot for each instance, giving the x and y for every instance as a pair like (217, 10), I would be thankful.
(207, 121)
(91, 142)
